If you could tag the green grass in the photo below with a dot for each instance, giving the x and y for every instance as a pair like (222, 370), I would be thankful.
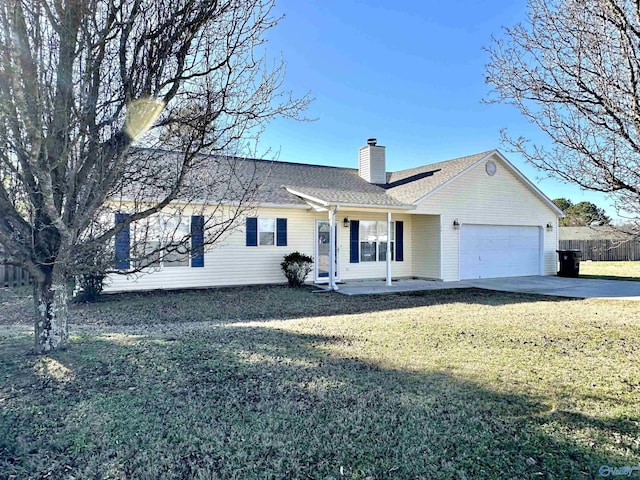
(611, 270)
(271, 382)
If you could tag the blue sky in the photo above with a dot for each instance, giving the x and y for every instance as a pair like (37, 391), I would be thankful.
(409, 73)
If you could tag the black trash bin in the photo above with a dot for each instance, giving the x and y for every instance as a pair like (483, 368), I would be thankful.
(569, 262)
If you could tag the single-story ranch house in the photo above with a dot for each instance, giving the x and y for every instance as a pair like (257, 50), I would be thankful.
(471, 217)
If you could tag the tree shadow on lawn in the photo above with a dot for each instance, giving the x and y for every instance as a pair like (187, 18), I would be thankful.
(240, 402)
(241, 304)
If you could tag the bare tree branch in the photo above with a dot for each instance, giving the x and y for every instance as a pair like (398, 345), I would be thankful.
(572, 70)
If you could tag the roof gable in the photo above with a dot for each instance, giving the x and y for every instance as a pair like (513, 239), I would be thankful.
(411, 185)
(416, 185)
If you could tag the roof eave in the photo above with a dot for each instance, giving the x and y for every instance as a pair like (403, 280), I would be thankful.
(376, 207)
(329, 204)
(307, 197)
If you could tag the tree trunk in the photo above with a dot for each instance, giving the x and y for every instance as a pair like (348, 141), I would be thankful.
(50, 298)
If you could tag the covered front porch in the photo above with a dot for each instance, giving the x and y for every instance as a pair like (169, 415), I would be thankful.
(370, 244)
(359, 244)
(356, 240)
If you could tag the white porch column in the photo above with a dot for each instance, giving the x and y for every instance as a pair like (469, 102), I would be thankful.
(332, 249)
(388, 249)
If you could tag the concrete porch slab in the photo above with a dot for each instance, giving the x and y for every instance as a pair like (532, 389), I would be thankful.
(373, 287)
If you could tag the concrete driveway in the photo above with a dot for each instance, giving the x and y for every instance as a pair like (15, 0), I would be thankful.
(562, 287)
(547, 285)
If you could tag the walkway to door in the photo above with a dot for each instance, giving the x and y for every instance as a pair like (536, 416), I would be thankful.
(540, 285)
(371, 287)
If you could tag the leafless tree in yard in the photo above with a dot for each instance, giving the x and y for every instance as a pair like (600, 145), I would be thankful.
(572, 69)
(80, 81)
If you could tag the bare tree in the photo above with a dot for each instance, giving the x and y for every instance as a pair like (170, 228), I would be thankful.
(572, 69)
(80, 81)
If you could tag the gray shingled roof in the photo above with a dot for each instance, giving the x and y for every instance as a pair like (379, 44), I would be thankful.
(220, 179)
(332, 185)
(333, 196)
(410, 185)
(344, 186)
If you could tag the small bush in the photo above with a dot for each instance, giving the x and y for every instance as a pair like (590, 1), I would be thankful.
(91, 285)
(296, 266)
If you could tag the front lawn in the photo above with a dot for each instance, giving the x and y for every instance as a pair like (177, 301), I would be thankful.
(611, 270)
(269, 382)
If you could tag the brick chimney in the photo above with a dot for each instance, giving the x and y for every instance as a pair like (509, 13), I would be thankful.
(371, 162)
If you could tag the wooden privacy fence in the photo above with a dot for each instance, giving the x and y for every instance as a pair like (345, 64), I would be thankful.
(12, 276)
(604, 250)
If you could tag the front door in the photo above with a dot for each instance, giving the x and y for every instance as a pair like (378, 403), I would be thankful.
(322, 252)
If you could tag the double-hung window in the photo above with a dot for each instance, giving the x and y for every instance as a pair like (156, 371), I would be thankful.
(266, 231)
(161, 241)
(374, 242)
(176, 231)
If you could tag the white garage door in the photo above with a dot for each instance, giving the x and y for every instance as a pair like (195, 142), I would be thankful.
(489, 251)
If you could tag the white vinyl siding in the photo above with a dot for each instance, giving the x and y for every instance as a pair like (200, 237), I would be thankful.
(230, 262)
(372, 164)
(425, 239)
(477, 198)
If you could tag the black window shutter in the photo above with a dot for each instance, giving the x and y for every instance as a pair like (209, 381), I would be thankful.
(197, 241)
(354, 241)
(123, 243)
(281, 230)
(399, 241)
(252, 231)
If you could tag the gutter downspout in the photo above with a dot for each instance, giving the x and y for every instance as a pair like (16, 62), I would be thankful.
(388, 249)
